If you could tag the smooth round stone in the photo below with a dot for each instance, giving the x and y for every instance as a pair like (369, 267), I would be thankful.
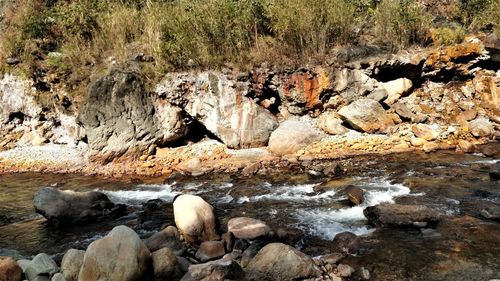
(247, 228)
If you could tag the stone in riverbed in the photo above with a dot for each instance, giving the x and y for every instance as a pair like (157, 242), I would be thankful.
(169, 238)
(345, 270)
(41, 266)
(247, 228)
(195, 219)
(291, 136)
(346, 242)
(426, 132)
(355, 194)
(58, 277)
(119, 256)
(210, 250)
(219, 270)
(9, 269)
(366, 115)
(64, 207)
(71, 264)
(401, 215)
(166, 265)
(278, 261)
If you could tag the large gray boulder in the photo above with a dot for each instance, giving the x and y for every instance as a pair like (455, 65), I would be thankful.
(120, 118)
(401, 215)
(166, 265)
(64, 207)
(366, 115)
(291, 136)
(42, 266)
(219, 270)
(119, 256)
(221, 105)
(278, 261)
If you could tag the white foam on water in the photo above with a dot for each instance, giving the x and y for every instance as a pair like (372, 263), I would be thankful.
(296, 193)
(485, 161)
(225, 199)
(243, 199)
(326, 223)
(142, 194)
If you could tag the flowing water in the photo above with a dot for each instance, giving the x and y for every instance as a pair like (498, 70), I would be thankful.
(462, 247)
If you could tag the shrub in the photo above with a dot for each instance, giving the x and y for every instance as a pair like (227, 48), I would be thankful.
(402, 22)
(448, 35)
(488, 18)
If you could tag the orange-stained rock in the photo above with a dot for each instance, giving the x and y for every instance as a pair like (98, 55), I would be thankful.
(9, 269)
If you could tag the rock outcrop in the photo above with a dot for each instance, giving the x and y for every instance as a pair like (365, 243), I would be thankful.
(401, 215)
(119, 256)
(65, 207)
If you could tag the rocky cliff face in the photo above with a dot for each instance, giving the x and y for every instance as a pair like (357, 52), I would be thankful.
(452, 92)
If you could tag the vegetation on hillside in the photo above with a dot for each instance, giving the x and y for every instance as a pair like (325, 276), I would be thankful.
(73, 38)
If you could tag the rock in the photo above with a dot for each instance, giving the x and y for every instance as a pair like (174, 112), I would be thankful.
(12, 61)
(41, 266)
(430, 146)
(365, 273)
(491, 212)
(401, 215)
(345, 270)
(9, 269)
(490, 149)
(403, 111)
(16, 98)
(481, 127)
(346, 242)
(219, 270)
(195, 219)
(354, 84)
(167, 238)
(229, 241)
(120, 118)
(466, 116)
(251, 169)
(466, 146)
(332, 258)
(301, 90)
(210, 250)
(396, 88)
(290, 137)
(418, 142)
(378, 95)
(250, 253)
(366, 115)
(71, 264)
(247, 228)
(331, 124)
(58, 277)
(222, 106)
(278, 261)
(64, 207)
(119, 256)
(165, 265)
(426, 132)
(355, 194)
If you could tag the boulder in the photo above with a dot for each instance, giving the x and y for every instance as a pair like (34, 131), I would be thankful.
(366, 115)
(247, 228)
(278, 261)
(346, 242)
(120, 118)
(481, 127)
(167, 238)
(195, 219)
(426, 132)
(9, 269)
(58, 277)
(355, 194)
(41, 266)
(210, 250)
(119, 256)
(332, 125)
(354, 84)
(291, 136)
(71, 264)
(396, 88)
(165, 265)
(401, 215)
(229, 241)
(490, 149)
(64, 207)
(16, 98)
(345, 270)
(466, 146)
(222, 106)
(219, 270)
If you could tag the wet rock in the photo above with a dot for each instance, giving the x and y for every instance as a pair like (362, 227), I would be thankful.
(346, 242)
(167, 238)
(210, 250)
(401, 215)
(466, 146)
(221, 105)
(119, 256)
(481, 127)
(251, 169)
(250, 253)
(491, 212)
(165, 265)
(41, 266)
(426, 132)
(332, 125)
(9, 269)
(195, 219)
(69, 207)
(289, 236)
(490, 149)
(247, 228)
(366, 115)
(58, 277)
(229, 241)
(355, 194)
(119, 117)
(219, 270)
(396, 88)
(278, 261)
(291, 136)
(332, 258)
(71, 264)
(345, 270)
